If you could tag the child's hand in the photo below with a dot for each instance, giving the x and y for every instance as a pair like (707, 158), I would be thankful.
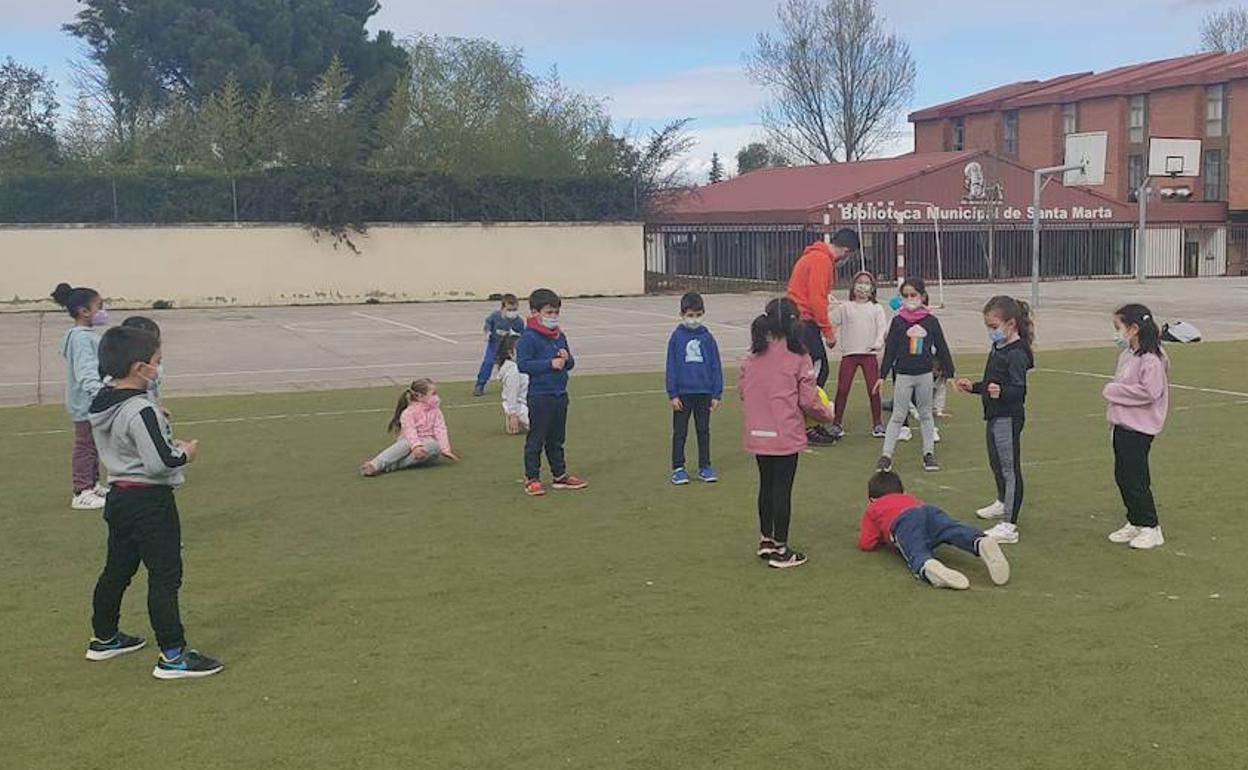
(168, 414)
(451, 456)
(513, 424)
(963, 384)
(994, 390)
(678, 405)
(558, 362)
(878, 386)
(563, 353)
(189, 448)
(715, 404)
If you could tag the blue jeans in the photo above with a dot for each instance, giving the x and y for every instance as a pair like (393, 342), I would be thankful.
(919, 530)
(487, 363)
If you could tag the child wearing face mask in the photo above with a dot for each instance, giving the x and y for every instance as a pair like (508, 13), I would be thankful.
(1003, 390)
(502, 323)
(80, 349)
(695, 386)
(1139, 398)
(515, 386)
(152, 328)
(860, 328)
(423, 437)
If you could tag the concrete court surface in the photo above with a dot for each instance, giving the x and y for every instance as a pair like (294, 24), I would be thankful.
(241, 350)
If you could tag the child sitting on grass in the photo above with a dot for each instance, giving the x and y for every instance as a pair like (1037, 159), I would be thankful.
(422, 432)
(915, 529)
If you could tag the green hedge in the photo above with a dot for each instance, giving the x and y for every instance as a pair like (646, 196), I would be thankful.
(326, 199)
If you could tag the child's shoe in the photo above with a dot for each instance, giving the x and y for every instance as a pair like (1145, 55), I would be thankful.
(1126, 534)
(86, 500)
(929, 462)
(990, 553)
(568, 481)
(189, 664)
(120, 644)
(878, 432)
(836, 432)
(1149, 537)
(767, 548)
(478, 390)
(820, 437)
(905, 434)
(941, 576)
(534, 488)
(785, 558)
(707, 474)
(885, 464)
(1003, 532)
(680, 476)
(996, 510)
(368, 470)
(101, 490)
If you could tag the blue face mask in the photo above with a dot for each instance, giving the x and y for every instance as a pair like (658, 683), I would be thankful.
(996, 336)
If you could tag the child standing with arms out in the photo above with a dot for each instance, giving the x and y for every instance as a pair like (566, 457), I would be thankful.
(778, 391)
(502, 323)
(145, 465)
(916, 529)
(80, 347)
(1003, 390)
(423, 437)
(515, 386)
(695, 386)
(544, 355)
(861, 326)
(1139, 398)
(915, 341)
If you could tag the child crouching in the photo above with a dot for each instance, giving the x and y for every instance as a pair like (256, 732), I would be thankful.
(422, 432)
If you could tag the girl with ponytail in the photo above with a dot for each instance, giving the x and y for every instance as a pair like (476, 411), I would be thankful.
(80, 349)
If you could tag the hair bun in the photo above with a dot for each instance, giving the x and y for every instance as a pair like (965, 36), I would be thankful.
(61, 293)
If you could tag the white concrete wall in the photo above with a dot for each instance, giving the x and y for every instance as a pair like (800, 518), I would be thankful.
(200, 266)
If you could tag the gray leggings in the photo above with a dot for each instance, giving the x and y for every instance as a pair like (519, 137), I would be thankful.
(919, 388)
(399, 456)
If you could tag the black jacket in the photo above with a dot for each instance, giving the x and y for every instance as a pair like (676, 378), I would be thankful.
(1007, 366)
(915, 352)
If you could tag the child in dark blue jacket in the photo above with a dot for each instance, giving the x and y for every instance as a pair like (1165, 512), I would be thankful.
(695, 386)
(499, 325)
(543, 354)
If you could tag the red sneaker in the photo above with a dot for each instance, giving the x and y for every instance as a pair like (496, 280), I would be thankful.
(534, 488)
(568, 481)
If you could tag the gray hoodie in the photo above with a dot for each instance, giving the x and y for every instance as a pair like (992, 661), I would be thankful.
(134, 439)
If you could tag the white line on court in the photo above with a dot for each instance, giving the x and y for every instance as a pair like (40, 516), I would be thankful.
(1099, 376)
(402, 325)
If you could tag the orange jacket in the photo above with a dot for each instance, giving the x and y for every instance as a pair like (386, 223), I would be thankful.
(811, 283)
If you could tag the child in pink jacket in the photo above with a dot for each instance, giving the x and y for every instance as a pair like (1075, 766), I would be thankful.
(422, 432)
(777, 388)
(1139, 398)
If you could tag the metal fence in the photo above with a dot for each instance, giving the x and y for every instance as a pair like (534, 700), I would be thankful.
(744, 258)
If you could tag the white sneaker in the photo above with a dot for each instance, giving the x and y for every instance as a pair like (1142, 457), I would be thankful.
(905, 434)
(87, 500)
(994, 510)
(1149, 537)
(936, 435)
(941, 576)
(914, 411)
(990, 553)
(1003, 532)
(101, 490)
(1126, 534)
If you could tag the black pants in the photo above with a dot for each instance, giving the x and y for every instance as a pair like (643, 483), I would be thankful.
(1005, 435)
(812, 338)
(1131, 450)
(698, 407)
(143, 527)
(775, 495)
(548, 427)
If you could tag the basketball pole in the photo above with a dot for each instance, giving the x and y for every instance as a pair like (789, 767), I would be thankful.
(1037, 183)
(1141, 249)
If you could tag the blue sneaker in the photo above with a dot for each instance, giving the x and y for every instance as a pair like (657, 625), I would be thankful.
(120, 644)
(189, 664)
(680, 476)
(707, 474)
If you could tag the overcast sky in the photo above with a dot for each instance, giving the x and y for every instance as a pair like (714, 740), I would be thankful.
(655, 60)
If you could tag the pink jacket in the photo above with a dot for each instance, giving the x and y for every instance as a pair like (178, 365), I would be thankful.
(1139, 396)
(422, 421)
(778, 391)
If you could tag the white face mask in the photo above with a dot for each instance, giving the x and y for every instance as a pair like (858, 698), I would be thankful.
(511, 315)
(550, 322)
(1121, 341)
(862, 290)
(692, 322)
(912, 304)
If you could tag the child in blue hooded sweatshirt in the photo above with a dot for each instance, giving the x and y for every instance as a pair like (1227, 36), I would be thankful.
(695, 386)
(80, 347)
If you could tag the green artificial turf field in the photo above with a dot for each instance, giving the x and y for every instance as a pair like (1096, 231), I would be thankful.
(439, 618)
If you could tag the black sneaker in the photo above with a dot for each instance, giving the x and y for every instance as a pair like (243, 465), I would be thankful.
(820, 437)
(120, 644)
(189, 664)
(786, 558)
(767, 548)
(884, 465)
(478, 391)
(929, 462)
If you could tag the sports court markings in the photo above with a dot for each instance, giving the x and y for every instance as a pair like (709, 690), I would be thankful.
(402, 325)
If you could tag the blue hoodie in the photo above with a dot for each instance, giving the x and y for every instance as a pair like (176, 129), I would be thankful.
(534, 352)
(80, 347)
(693, 365)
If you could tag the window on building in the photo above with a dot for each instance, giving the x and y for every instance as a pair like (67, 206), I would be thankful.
(1010, 124)
(1137, 119)
(1070, 118)
(958, 134)
(1135, 173)
(1215, 109)
(1213, 175)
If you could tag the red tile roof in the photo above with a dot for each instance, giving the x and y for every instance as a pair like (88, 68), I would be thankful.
(990, 100)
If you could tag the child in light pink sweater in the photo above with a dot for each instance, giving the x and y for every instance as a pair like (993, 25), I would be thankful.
(777, 388)
(1139, 398)
(423, 437)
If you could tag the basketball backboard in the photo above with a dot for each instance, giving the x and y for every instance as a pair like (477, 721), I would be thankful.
(1087, 150)
(1173, 157)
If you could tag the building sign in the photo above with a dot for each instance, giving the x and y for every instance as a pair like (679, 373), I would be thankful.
(890, 211)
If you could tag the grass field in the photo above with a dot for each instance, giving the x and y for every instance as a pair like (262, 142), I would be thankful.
(438, 618)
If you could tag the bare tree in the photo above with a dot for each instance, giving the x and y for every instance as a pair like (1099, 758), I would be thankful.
(1225, 30)
(838, 80)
